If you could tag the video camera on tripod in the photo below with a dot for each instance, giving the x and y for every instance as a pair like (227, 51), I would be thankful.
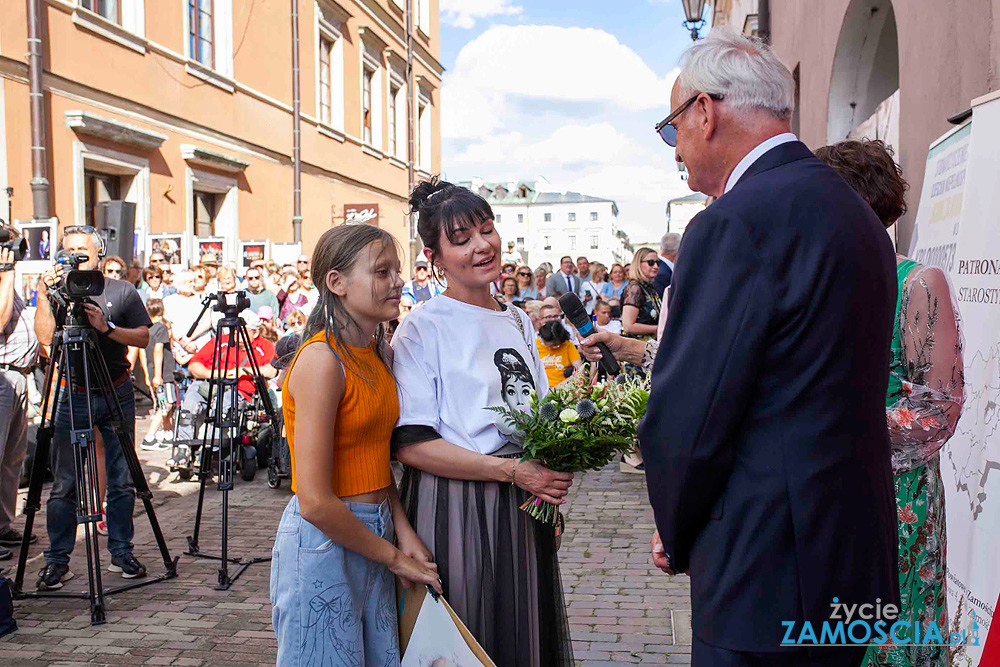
(76, 286)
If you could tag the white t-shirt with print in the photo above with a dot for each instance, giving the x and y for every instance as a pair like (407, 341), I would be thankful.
(452, 360)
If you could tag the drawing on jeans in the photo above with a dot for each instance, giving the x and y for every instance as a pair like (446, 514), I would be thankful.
(330, 627)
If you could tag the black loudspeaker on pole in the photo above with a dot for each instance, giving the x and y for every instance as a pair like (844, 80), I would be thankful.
(116, 222)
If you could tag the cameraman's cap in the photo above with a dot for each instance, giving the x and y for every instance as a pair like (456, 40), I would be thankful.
(209, 259)
(284, 351)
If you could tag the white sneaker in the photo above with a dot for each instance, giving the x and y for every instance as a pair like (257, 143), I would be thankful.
(149, 445)
(165, 436)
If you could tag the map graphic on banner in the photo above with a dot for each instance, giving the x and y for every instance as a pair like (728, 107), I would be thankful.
(957, 230)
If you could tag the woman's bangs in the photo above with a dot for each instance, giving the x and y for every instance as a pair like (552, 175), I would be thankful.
(464, 213)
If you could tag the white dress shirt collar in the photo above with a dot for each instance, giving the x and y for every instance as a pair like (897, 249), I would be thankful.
(666, 261)
(756, 154)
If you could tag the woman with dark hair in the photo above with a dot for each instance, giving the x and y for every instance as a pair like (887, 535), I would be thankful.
(558, 354)
(509, 292)
(923, 404)
(464, 481)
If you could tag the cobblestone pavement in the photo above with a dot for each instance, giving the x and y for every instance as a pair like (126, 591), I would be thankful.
(619, 605)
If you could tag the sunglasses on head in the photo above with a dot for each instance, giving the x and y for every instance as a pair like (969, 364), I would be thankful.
(667, 131)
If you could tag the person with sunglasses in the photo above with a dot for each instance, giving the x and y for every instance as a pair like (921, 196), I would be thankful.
(765, 443)
(258, 292)
(113, 267)
(120, 320)
(640, 301)
(525, 290)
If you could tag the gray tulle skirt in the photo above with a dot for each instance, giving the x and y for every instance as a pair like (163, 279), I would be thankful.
(497, 564)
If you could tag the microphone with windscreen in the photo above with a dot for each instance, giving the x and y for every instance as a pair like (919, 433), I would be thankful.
(573, 308)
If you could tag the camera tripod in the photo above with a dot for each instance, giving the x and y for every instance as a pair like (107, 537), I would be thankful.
(77, 360)
(221, 433)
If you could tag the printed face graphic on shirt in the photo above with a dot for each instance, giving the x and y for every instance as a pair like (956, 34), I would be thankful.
(515, 377)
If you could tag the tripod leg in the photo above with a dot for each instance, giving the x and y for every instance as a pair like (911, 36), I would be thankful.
(43, 445)
(204, 473)
(87, 503)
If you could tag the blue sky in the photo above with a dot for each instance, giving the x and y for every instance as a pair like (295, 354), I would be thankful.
(565, 90)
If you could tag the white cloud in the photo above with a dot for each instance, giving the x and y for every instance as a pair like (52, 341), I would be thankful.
(531, 64)
(572, 104)
(463, 13)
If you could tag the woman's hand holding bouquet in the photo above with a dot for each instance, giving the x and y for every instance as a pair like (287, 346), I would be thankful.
(580, 425)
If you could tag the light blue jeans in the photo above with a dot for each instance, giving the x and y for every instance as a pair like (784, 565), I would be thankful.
(332, 607)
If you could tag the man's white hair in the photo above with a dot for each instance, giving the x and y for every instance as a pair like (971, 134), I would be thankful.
(670, 243)
(742, 69)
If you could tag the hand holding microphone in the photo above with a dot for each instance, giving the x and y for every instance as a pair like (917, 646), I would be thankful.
(573, 308)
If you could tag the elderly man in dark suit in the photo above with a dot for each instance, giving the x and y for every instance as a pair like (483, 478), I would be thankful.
(765, 443)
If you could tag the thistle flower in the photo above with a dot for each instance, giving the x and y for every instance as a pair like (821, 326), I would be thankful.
(548, 411)
(586, 408)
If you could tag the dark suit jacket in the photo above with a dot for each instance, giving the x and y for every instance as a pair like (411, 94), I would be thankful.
(662, 280)
(557, 283)
(765, 443)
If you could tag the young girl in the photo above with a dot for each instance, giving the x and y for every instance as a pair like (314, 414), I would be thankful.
(332, 589)
(558, 354)
(158, 360)
(455, 356)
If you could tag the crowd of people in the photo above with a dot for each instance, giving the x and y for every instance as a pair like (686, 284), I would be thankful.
(804, 379)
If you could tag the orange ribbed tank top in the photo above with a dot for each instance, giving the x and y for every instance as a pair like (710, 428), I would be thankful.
(366, 415)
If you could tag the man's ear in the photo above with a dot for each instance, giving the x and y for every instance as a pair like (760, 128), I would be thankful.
(708, 114)
(336, 283)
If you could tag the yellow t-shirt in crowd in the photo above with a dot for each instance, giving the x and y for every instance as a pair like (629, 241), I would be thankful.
(556, 360)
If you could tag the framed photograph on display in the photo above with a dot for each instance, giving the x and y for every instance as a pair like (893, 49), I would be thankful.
(26, 284)
(252, 251)
(285, 253)
(42, 240)
(171, 245)
(209, 245)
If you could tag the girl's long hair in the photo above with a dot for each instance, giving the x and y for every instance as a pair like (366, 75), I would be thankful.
(338, 249)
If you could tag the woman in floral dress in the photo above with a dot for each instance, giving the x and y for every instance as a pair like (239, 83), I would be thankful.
(923, 405)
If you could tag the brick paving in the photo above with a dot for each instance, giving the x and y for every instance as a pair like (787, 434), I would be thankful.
(621, 608)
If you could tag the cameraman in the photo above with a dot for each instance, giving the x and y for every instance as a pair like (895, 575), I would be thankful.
(120, 320)
(18, 352)
(201, 365)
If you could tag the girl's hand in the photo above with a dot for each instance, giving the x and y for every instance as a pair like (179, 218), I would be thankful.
(157, 382)
(411, 571)
(546, 484)
(410, 544)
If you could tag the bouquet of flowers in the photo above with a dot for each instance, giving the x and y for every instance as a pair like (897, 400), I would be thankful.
(580, 425)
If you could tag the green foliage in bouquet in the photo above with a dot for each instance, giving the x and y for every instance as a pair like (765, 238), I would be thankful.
(580, 425)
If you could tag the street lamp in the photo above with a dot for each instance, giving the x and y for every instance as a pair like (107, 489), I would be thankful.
(693, 9)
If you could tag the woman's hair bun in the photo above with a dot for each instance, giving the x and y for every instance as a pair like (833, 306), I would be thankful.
(424, 190)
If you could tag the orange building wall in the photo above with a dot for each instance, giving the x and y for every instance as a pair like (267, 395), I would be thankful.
(253, 123)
